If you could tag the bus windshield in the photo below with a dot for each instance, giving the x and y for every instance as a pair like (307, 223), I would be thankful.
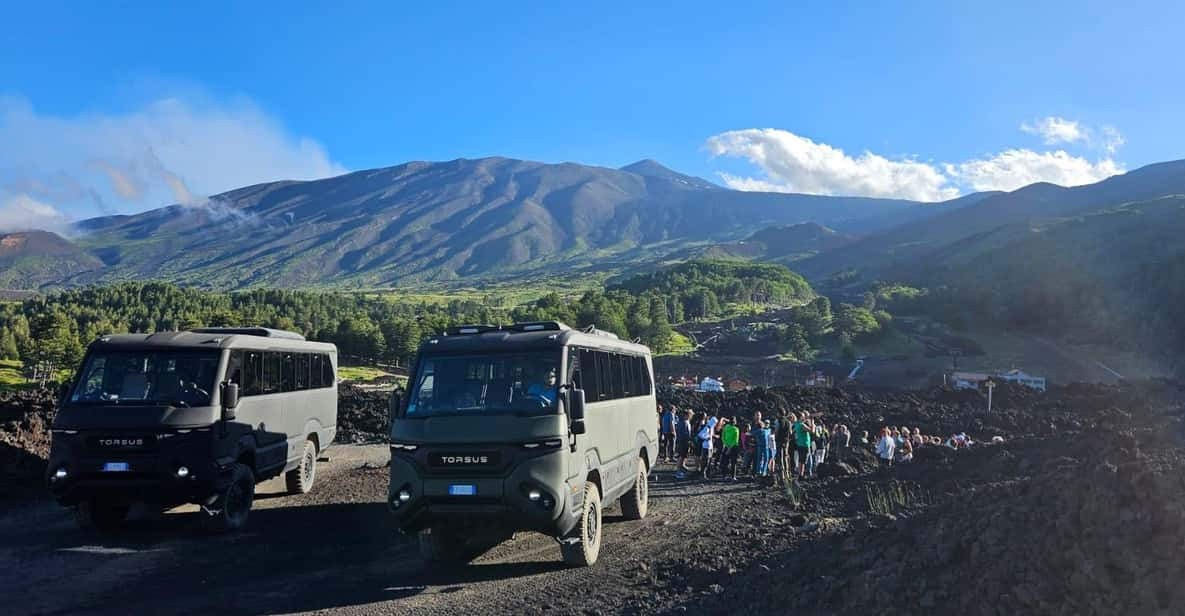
(178, 378)
(525, 383)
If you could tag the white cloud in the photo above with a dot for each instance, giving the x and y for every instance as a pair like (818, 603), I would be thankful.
(791, 163)
(1054, 130)
(1112, 140)
(796, 164)
(170, 151)
(24, 213)
(1012, 169)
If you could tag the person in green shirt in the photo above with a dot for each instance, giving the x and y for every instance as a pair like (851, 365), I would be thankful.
(802, 443)
(730, 438)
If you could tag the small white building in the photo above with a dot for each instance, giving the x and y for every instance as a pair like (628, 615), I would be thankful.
(711, 384)
(969, 380)
(976, 380)
(1023, 378)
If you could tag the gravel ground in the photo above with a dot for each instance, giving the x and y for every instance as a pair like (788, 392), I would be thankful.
(1078, 511)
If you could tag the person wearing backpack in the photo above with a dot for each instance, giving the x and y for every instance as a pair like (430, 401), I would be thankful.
(802, 445)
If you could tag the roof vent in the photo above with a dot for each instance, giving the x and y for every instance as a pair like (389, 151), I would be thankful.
(469, 330)
(538, 326)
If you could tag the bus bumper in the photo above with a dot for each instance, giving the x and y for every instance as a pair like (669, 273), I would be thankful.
(533, 495)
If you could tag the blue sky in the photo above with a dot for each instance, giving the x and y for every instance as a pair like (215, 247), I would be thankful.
(119, 107)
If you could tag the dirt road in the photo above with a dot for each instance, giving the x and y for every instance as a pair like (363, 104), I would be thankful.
(334, 551)
(1078, 511)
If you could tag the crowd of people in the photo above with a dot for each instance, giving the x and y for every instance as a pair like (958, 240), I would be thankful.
(778, 447)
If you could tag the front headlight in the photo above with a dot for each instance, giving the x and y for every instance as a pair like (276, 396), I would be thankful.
(548, 444)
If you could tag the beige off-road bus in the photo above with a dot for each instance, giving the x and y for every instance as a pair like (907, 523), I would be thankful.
(195, 416)
(533, 426)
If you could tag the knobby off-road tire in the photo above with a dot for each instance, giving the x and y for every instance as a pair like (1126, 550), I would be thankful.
(233, 504)
(585, 540)
(300, 479)
(99, 516)
(635, 502)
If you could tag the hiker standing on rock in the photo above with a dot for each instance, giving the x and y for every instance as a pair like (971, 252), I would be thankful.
(802, 445)
(841, 440)
(885, 447)
(906, 451)
(822, 440)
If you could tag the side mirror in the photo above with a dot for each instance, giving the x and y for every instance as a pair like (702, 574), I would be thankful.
(395, 403)
(230, 400)
(64, 391)
(576, 411)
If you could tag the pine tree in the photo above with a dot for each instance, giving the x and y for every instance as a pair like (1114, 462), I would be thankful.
(8, 348)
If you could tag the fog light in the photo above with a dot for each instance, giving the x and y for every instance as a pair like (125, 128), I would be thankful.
(534, 495)
(60, 473)
(404, 496)
(182, 472)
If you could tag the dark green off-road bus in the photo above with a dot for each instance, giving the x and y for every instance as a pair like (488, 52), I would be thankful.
(195, 416)
(532, 426)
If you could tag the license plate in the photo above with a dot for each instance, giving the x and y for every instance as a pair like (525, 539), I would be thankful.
(462, 490)
(116, 467)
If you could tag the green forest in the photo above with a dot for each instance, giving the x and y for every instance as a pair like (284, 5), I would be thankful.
(49, 334)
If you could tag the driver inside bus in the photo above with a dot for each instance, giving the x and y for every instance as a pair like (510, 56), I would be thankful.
(546, 390)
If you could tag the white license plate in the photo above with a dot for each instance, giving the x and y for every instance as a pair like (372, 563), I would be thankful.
(116, 467)
(462, 490)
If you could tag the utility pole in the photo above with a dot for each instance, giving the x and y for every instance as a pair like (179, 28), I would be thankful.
(990, 386)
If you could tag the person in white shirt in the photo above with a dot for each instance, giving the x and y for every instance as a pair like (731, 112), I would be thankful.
(885, 447)
(707, 435)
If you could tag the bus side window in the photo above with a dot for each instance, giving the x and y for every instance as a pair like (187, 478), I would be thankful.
(627, 371)
(288, 372)
(328, 378)
(271, 372)
(234, 369)
(640, 388)
(588, 374)
(574, 376)
(646, 383)
(252, 374)
(302, 371)
(315, 380)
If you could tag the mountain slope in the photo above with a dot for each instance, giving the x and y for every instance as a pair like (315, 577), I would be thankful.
(654, 169)
(480, 219)
(781, 244)
(31, 259)
(1115, 275)
(899, 250)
